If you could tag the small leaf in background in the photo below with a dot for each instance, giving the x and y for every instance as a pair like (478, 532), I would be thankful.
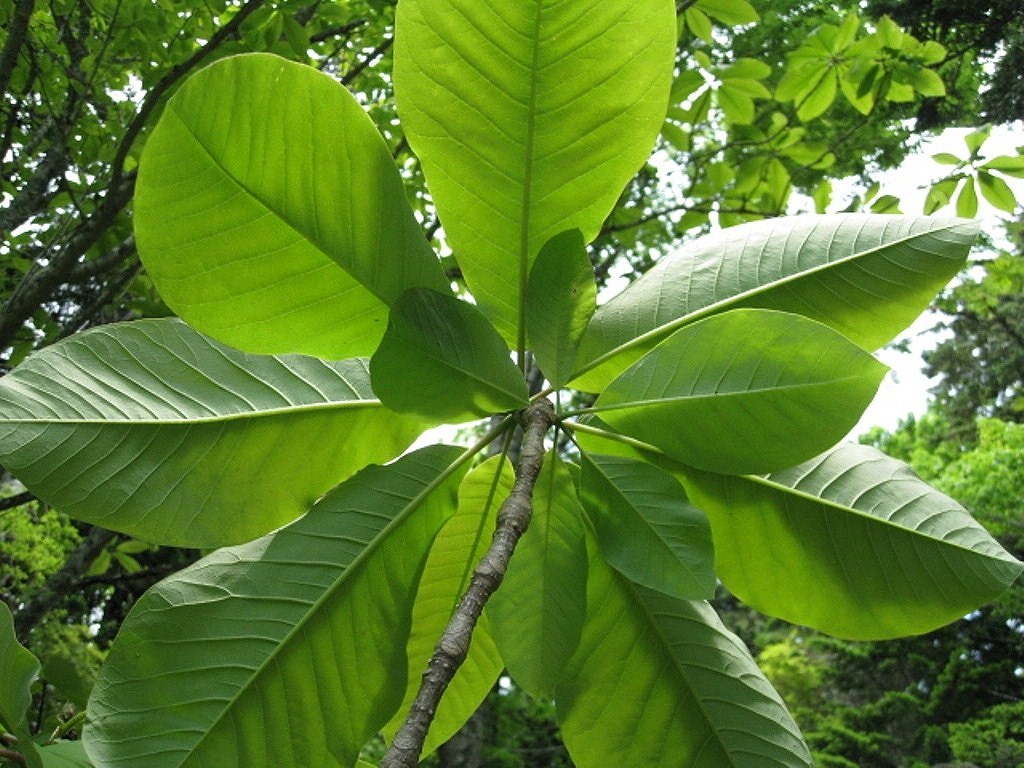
(729, 12)
(561, 298)
(537, 614)
(646, 527)
(967, 200)
(745, 391)
(997, 192)
(441, 358)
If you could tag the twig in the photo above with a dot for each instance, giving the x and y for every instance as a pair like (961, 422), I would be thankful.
(450, 652)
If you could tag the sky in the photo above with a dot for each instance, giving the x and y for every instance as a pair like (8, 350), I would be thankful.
(905, 388)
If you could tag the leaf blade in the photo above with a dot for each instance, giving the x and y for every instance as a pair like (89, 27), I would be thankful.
(177, 439)
(291, 611)
(555, 107)
(269, 243)
(930, 563)
(866, 276)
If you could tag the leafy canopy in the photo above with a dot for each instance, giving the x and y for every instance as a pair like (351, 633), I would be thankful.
(272, 220)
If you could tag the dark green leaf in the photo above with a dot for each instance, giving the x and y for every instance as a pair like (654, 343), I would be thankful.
(441, 358)
(646, 528)
(561, 299)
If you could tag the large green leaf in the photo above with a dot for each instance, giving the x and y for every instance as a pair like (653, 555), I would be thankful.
(852, 543)
(155, 430)
(270, 215)
(18, 670)
(659, 682)
(289, 650)
(65, 754)
(750, 390)
(442, 359)
(646, 527)
(529, 118)
(561, 298)
(867, 276)
(538, 612)
(455, 553)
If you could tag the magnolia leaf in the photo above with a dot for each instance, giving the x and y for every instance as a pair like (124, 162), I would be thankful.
(997, 192)
(729, 12)
(967, 200)
(528, 118)
(458, 548)
(441, 358)
(852, 543)
(538, 612)
(646, 527)
(154, 430)
(658, 681)
(270, 215)
(225, 655)
(867, 276)
(65, 754)
(750, 390)
(18, 670)
(561, 298)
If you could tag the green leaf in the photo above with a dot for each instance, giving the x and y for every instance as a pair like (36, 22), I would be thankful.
(946, 158)
(155, 430)
(927, 82)
(997, 192)
(453, 556)
(867, 276)
(658, 681)
(869, 550)
(737, 106)
(729, 12)
(269, 214)
(699, 24)
(537, 614)
(1006, 164)
(222, 654)
(441, 358)
(65, 754)
(749, 390)
(814, 101)
(561, 299)
(18, 670)
(975, 139)
(646, 527)
(967, 200)
(529, 118)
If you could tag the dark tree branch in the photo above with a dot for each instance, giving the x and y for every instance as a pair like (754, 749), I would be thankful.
(359, 68)
(450, 652)
(17, 31)
(17, 500)
(343, 30)
(60, 583)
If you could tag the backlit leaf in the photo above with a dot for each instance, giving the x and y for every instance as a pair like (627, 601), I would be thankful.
(529, 118)
(227, 655)
(744, 391)
(152, 429)
(269, 214)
